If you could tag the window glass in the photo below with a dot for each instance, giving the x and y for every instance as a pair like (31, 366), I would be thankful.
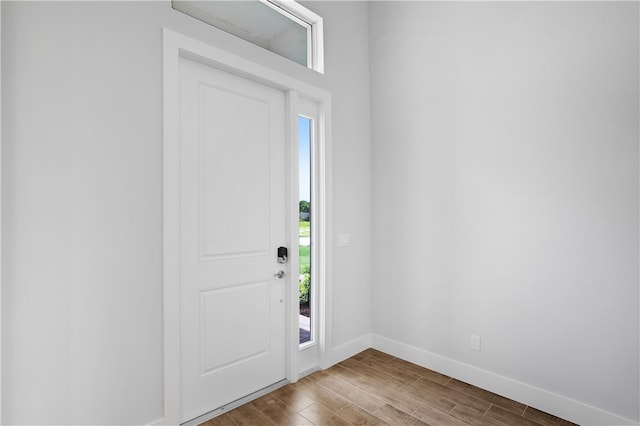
(261, 23)
(305, 128)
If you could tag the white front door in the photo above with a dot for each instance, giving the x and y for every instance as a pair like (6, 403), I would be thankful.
(232, 220)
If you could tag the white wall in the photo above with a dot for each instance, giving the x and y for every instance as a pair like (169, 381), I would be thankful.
(505, 185)
(505, 192)
(347, 72)
(82, 208)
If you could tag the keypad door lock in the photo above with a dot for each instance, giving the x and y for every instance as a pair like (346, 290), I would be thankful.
(282, 254)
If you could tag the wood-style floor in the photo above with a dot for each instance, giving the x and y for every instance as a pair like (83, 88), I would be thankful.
(373, 388)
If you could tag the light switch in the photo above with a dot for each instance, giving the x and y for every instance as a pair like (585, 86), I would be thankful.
(344, 240)
(475, 342)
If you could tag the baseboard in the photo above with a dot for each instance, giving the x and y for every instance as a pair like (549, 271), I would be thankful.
(541, 399)
(308, 372)
(157, 422)
(347, 350)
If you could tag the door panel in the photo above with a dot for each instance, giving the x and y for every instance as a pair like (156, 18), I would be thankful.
(232, 219)
(218, 309)
(234, 152)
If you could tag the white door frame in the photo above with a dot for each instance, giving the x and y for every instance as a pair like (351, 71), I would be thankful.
(176, 45)
(0, 212)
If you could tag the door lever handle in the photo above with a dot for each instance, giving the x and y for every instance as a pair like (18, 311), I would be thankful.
(280, 274)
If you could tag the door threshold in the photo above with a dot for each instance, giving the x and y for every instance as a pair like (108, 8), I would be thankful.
(235, 404)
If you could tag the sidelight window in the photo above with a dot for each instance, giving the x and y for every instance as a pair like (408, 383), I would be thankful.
(306, 285)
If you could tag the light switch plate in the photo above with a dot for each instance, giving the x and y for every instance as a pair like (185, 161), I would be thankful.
(475, 342)
(344, 240)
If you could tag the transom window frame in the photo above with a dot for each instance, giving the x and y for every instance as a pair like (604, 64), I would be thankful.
(315, 29)
(289, 9)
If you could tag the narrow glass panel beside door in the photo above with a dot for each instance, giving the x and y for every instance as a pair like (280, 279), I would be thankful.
(305, 130)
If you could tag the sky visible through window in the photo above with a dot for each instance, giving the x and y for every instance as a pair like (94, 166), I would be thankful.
(304, 157)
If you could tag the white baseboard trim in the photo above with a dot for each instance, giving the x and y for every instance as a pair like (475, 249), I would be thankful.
(541, 399)
(347, 350)
(157, 422)
(308, 372)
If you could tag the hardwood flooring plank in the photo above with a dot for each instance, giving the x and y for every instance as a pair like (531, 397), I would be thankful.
(360, 356)
(397, 399)
(336, 420)
(343, 373)
(266, 400)
(358, 396)
(350, 363)
(507, 417)
(436, 417)
(421, 371)
(389, 395)
(320, 394)
(430, 398)
(223, 420)
(506, 403)
(378, 354)
(357, 416)
(315, 376)
(248, 415)
(284, 415)
(394, 416)
(388, 368)
(545, 418)
(393, 397)
(456, 396)
(287, 394)
(472, 417)
(322, 415)
(375, 374)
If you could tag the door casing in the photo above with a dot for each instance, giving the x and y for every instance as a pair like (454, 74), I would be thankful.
(176, 45)
(0, 213)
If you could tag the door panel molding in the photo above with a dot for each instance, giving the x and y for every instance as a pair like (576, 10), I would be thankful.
(176, 45)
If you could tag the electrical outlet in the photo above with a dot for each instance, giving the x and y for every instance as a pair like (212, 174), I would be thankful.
(475, 342)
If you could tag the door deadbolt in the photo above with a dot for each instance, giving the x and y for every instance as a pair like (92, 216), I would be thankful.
(282, 255)
(280, 274)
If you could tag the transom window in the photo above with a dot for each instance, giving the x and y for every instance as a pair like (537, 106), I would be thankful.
(283, 27)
